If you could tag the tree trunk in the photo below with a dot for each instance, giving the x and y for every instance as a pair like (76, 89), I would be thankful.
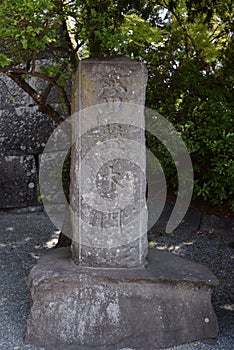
(63, 241)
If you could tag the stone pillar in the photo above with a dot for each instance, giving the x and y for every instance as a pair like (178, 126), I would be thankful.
(113, 151)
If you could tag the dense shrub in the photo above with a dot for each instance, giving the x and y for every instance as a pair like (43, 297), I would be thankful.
(199, 104)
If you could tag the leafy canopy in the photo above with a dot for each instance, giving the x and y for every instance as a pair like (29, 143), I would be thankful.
(187, 46)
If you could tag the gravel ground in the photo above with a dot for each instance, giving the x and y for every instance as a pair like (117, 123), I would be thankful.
(25, 237)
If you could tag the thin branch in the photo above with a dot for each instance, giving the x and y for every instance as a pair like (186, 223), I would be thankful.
(164, 4)
(51, 80)
(214, 31)
(38, 98)
(21, 71)
(46, 94)
(212, 38)
(185, 30)
(65, 97)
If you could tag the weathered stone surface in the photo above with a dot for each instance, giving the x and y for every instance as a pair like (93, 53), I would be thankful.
(22, 210)
(107, 169)
(18, 181)
(165, 304)
(120, 257)
(23, 134)
(23, 130)
(109, 80)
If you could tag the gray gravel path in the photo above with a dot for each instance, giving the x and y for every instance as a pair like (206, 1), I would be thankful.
(24, 238)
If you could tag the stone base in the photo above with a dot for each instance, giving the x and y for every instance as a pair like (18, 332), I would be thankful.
(165, 304)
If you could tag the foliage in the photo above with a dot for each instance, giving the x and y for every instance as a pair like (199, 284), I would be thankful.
(191, 84)
(188, 49)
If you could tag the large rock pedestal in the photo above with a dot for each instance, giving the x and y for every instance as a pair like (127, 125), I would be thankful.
(76, 308)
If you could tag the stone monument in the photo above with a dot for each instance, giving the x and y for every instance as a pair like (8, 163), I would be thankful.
(108, 292)
(112, 82)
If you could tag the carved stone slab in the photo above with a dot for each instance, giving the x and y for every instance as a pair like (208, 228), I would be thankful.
(108, 164)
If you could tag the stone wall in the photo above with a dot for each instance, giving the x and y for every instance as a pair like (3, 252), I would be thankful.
(23, 134)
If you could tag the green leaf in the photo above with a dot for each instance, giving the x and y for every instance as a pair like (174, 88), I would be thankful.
(4, 60)
(24, 43)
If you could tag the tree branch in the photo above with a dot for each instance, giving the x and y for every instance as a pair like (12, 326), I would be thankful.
(179, 20)
(20, 71)
(52, 80)
(38, 98)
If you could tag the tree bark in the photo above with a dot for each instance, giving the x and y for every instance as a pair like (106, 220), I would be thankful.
(38, 98)
(63, 241)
